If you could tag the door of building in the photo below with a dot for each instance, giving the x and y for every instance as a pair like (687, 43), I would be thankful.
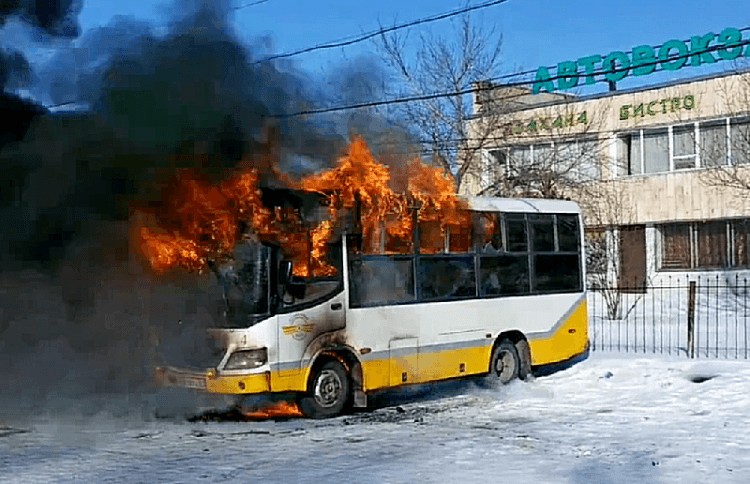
(633, 258)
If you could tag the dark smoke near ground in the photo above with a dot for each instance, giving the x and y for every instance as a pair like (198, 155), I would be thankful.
(81, 313)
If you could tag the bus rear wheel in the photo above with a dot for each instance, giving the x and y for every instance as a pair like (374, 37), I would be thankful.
(504, 364)
(329, 392)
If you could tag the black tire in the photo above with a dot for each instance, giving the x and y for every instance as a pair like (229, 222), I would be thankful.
(504, 364)
(329, 392)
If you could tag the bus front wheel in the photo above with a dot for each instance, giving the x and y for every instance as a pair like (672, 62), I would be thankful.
(504, 364)
(329, 391)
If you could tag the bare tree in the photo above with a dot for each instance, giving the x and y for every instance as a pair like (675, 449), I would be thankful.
(606, 209)
(729, 162)
(444, 65)
(556, 153)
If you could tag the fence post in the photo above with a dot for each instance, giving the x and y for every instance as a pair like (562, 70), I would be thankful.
(691, 320)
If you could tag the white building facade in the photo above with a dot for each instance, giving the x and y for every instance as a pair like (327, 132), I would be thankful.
(660, 171)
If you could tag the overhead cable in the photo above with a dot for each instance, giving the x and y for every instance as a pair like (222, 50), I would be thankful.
(469, 90)
(375, 33)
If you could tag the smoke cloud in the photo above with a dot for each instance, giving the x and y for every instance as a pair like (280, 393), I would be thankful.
(57, 18)
(81, 312)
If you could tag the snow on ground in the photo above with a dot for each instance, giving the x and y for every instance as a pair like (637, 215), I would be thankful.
(606, 420)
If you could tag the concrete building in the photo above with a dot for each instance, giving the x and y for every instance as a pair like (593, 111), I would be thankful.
(662, 172)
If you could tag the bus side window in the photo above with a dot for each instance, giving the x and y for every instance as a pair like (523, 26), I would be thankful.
(542, 232)
(443, 277)
(504, 274)
(567, 233)
(492, 240)
(558, 270)
(516, 230)
(381, 281)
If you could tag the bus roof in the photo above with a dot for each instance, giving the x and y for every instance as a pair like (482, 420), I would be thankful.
(493, 204)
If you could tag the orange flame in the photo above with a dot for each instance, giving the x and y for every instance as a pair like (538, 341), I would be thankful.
(165, 250)
(202, 222)
(280, 409)
(206, 221)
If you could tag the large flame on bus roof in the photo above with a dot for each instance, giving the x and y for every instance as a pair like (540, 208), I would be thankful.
(202, 222)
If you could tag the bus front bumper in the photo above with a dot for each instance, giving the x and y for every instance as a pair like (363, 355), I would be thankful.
(213, 382)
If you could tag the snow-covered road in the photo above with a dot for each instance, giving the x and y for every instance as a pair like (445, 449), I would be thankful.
(606, 420)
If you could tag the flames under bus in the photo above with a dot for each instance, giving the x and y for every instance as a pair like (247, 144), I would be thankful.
(502, 296)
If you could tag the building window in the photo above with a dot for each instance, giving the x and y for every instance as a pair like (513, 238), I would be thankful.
(577, 160)
(681, 147)
(685, 154)
(655, 151)
(717, 244)
(628, 155)
(675, 246)
(713, 143)
(741, 243)
(520, 159)
(711, 245)
(740, 141)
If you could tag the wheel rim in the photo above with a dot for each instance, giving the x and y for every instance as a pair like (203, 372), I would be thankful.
(328, 389)
(505, 366)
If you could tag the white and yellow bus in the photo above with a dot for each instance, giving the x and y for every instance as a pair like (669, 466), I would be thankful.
(507, 303)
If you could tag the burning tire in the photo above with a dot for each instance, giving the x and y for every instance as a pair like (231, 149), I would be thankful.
(505, 364)
(329, 393)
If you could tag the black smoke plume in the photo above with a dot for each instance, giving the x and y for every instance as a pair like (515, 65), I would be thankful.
(56, 17)
(82, 312)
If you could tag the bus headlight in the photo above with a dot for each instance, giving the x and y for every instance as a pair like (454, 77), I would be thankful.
(247, 359)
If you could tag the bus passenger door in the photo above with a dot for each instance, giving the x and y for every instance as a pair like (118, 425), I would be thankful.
(297, 329)
(403, 357)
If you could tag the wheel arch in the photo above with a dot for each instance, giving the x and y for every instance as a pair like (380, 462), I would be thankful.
(522, 347)
(347, 357)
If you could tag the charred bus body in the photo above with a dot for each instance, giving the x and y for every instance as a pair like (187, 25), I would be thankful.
(506, 301)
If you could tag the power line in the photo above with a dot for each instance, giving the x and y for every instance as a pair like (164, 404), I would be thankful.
(249, 5)
(470, 90)
(375, 33)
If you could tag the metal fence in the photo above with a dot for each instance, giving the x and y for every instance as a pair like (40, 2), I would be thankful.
(701, 317)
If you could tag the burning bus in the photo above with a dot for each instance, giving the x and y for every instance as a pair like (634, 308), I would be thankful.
(341, 287)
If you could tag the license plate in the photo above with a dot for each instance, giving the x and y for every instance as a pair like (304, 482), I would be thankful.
(189, 381)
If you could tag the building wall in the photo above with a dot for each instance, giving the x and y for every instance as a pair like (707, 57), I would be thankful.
(624, 124)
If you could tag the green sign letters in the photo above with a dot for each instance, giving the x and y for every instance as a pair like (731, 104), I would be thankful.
(652, 108)
(643, 60)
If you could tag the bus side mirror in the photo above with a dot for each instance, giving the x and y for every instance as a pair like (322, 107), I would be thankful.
(285, 273)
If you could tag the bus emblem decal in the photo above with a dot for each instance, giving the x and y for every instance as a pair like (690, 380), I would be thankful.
(299, 328)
